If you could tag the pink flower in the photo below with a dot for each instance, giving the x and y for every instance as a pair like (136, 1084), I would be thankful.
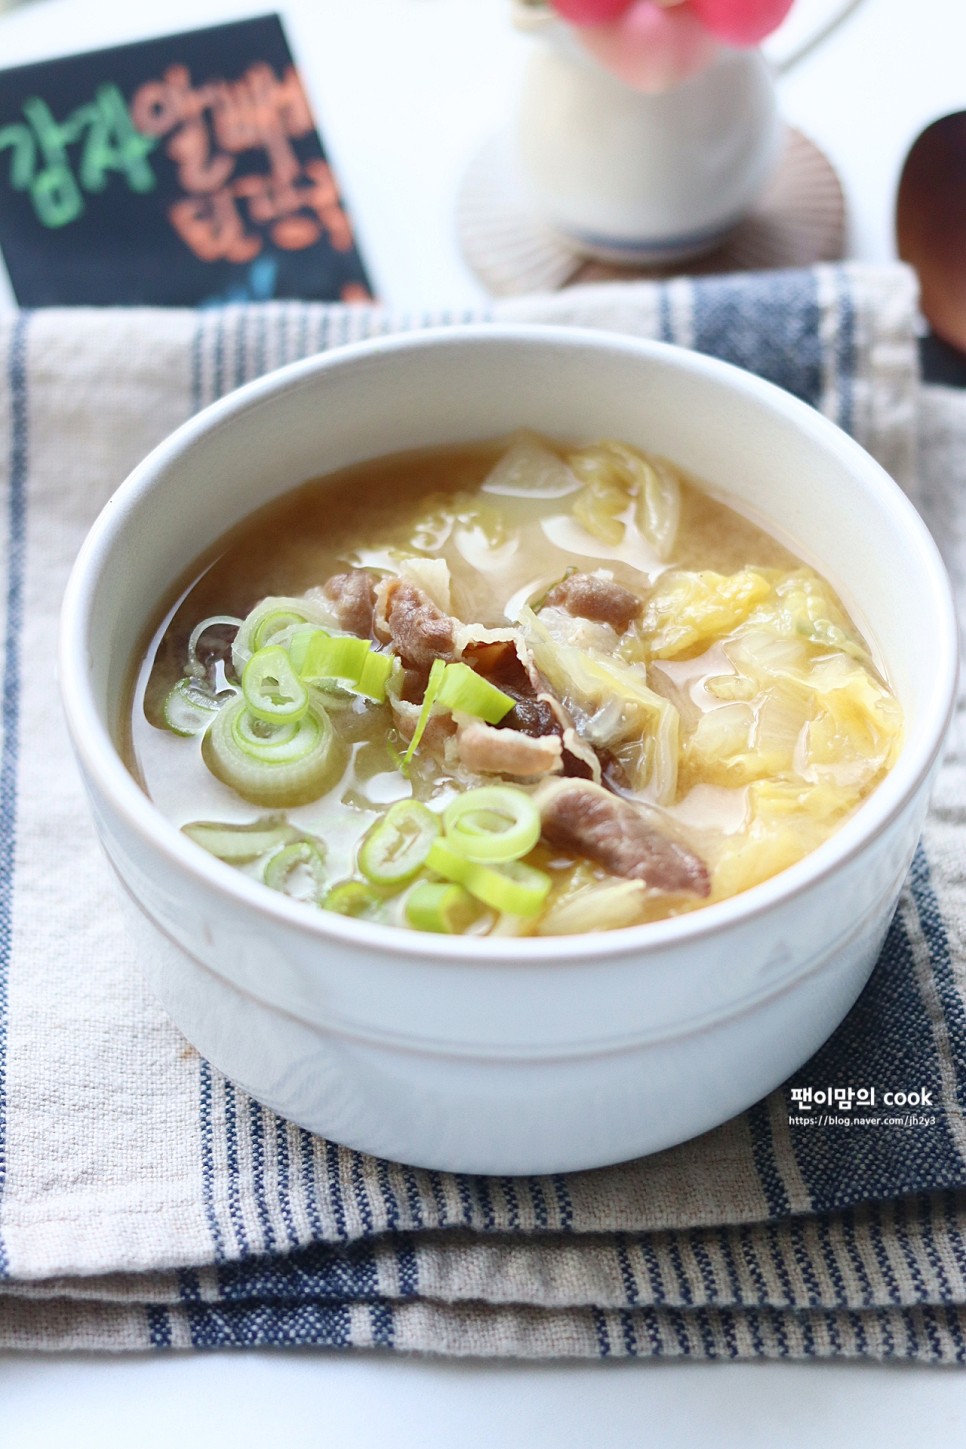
(590, 12)
(740, 22)
(654, 44)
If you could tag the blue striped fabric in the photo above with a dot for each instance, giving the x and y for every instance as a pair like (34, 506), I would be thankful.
(830, 1261)
(858, 1248)
(16, 526)
(788, 1289)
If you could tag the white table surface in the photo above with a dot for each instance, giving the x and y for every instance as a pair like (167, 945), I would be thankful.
(446, 70)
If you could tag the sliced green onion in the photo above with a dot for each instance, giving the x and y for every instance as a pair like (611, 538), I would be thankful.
(271, 621)
(495, 823)
(464, 690)
(297, 641)
(349, 660)
(274, 627)
(238, 843)
(280, 765)
(458, 687)
(272, 689)
(375, 675)
(194, 665)
(443, 907)
(262, 740)
(436, 675)
(396, 847)
(352, 898)
(189, 707)
(333, 657)
(515, 888)
(298, 871)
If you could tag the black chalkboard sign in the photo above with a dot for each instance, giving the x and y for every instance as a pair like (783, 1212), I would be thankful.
(178, 171)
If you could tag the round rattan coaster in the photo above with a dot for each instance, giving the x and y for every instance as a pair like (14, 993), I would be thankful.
(799, 220)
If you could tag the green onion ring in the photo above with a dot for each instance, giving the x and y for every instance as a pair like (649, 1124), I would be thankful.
(513, 887)
(297, 643)
(464, 690)
(289, 866)
(273, 627)
(295, 764)
(287, 744)
(352, 898)
(194, 665)
(295, 610)
(440, 906)
(396, 847)
(272, 689)
(239, 843)
(189, 707)
(348, 660)
(263, 741)
(495, 823)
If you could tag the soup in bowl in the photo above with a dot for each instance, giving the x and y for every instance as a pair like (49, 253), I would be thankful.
(511, 740)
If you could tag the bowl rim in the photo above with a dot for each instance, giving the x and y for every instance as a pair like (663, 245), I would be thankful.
(101, 763)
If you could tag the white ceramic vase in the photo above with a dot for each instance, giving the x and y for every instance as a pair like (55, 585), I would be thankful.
(633, 177)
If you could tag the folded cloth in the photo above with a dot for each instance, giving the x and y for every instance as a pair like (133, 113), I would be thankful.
(145, 1200)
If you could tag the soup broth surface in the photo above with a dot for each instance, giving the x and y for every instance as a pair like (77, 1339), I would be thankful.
(661, 655)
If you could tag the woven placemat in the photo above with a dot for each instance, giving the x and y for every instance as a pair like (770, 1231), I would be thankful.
(799, 220)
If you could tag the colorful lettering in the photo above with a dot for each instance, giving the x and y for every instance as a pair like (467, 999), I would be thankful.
(43, 166)
(229, 212)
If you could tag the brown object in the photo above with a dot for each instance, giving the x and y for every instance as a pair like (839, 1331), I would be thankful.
(354, 596)
(492, 751)
(800, 220)
(931, 223)
(601, 600)
(408, 619)
(586, 820)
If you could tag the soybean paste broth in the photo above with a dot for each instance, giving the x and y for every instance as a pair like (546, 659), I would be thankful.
(508, 537)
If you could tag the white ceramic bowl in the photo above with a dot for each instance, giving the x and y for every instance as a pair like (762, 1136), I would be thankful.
(509, 1056)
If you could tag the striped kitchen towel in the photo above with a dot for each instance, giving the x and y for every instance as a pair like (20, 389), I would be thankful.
(145, 1200)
